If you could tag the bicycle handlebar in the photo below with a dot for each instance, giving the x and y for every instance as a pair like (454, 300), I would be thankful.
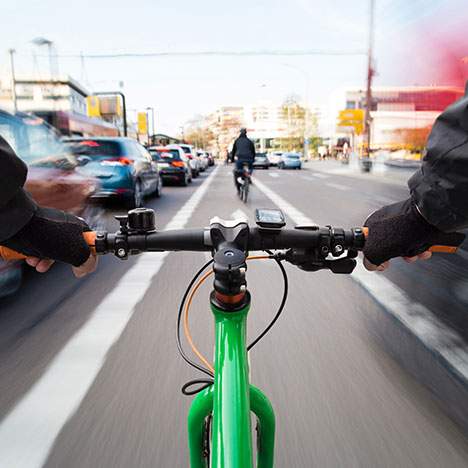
(324, 240)
(330, 240)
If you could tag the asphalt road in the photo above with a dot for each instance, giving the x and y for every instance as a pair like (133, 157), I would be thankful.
(79, 391)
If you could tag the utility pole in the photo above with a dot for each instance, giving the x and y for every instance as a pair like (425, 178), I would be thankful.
(13, 78)
(370, 75)
(152, 122)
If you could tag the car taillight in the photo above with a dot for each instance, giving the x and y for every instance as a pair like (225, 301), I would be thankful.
(177, 164)
(189, 156)
(121, 160)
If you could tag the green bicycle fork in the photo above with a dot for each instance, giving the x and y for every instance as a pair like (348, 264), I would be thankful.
(230, 401)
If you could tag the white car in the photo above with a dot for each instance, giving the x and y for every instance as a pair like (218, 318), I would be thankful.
(191, 154)
(204, 159)
(275, 157)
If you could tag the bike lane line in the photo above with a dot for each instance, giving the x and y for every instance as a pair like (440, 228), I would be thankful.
(29, 430)
(415, 317)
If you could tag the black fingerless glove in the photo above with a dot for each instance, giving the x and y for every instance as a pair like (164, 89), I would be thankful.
(399, 230)
(52, 234)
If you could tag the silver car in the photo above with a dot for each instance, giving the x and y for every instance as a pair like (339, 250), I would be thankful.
(191, 154)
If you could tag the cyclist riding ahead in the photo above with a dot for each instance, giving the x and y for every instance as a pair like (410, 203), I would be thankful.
(243, 151)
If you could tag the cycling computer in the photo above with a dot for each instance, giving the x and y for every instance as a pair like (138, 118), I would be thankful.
(269, 218)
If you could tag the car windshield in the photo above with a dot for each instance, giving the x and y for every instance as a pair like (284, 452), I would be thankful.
(35, 142)
(292, 156)
(164, 154)
(186, 149)
(95, 148)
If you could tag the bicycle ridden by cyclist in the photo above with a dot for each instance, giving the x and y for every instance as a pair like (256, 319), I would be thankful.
(243, 151)
(41, 233)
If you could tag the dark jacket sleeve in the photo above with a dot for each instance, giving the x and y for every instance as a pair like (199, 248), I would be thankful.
(16, 206)
(234, 149)
(252, 148)
(440, 188)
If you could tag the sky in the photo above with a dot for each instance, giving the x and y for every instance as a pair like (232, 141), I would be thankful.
(179, 87)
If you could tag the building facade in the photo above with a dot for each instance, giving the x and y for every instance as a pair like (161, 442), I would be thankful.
(395, 110)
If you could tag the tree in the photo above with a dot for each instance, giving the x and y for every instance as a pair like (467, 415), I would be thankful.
(293, 116)
(412, 139)
(199, 137)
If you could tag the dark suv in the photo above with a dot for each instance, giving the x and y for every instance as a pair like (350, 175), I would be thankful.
(124, 168)
(173, 164)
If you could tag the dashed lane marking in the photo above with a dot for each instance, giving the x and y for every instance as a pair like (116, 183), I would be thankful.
(320, 175)
(337, 186)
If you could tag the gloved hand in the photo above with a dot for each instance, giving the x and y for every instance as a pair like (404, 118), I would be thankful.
(54, 235)
(399, 230)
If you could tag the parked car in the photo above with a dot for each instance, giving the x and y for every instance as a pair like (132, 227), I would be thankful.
(211, 160)
(123, 166)
(275, 157)
(52, 178)
(203, 155)
(191, 154)
(290, 161)
(173, 164)
(261, 161)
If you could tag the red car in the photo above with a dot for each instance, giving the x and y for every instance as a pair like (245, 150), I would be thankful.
(53, 179)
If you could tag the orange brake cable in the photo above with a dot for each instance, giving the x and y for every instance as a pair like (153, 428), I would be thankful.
(195, 288)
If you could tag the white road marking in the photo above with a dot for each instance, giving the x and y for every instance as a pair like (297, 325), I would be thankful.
(28, 432)
(320, 175)
(337, 186)
(291, 211)
(273, 174)
(433, 333)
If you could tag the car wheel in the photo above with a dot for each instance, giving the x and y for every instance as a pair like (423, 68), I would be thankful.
(158, 191)
(185, 180)
(136, 200)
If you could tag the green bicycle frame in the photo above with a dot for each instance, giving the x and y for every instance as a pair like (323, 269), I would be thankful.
(230, 401)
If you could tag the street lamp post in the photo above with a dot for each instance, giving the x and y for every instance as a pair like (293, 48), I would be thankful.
(42, 41)
(124, 106)
(13, 78)
(306, 105)
(370, 75)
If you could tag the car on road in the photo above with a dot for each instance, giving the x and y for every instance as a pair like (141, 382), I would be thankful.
(275, 157)
(261, 161)
(203, 155)
(52, 181)
(210, 159)
(124, 168)
(191, 154)
(290, 161)
(173, 164)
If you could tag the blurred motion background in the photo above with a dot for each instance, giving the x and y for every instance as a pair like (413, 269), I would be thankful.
(91, 97)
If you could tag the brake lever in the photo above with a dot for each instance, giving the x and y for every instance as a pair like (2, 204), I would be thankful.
(311, 261)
